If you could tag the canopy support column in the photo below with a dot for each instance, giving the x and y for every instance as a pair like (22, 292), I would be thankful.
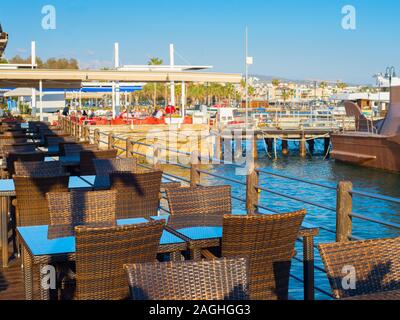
(41, 99)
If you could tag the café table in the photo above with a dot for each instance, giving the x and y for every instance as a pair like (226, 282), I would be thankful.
(39, 251)
(7, 190)
(199, 238)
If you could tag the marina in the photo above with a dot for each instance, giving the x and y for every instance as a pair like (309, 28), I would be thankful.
(158, 179)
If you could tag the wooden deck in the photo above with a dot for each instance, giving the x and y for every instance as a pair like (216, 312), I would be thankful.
(11, 282)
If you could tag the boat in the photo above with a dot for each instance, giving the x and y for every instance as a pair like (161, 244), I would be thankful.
(3, 41)
(375, 144)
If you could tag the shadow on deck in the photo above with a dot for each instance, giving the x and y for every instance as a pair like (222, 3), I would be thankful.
(11, 281)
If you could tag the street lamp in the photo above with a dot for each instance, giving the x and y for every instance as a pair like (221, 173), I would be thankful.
(390, 74)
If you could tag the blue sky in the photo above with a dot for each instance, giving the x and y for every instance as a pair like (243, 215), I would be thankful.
(298, 39)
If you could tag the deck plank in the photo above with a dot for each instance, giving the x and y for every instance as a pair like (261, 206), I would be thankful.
(11, 281)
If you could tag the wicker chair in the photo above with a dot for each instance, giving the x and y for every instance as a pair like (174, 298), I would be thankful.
(88, 156)
(39, 169)
(223, 279)
(268, 241)
(81, 208)
(22, 157)
(101, 254)
(199, 206)
(18, 148)
(376, 264)
(7, 140)
(138, 193)
(75, 149)
(106, 166)
(31, 198)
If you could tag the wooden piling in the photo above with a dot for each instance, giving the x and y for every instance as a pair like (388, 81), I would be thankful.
(255, 150)
(327, 145)
(303, 148)
(285, 147)
(344, 208)
(311, 146)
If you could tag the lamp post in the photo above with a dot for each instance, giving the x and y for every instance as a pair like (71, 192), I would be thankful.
(248, 62)
(390, 74)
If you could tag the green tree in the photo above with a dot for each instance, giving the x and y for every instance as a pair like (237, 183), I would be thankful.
(275, 82)
(323, 85)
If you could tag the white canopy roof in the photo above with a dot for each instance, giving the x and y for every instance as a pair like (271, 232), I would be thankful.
(20, 92)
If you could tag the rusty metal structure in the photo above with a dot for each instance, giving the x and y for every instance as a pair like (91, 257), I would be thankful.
(375, 144)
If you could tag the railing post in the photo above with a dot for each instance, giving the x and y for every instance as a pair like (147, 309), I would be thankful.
(344, 208)
(195, 177)
(129, 148)
(111, 141)
(86, 134)
(96, 137)
(252, 195)
(156, 157)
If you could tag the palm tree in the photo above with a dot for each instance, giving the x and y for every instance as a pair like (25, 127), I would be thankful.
(323, 85)
(275, 82)
(155, 62)
(341, 85)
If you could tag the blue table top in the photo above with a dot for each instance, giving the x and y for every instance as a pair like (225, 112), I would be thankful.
(7, 185)
(210, 232)
(36, 238)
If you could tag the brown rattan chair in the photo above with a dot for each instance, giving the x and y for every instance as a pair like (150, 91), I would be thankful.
(199, 206)
(18, 148)
(22, 157)
(101, 254)
(222, 279)
(31, 201)
(7, 140)
(75, 149)
(82, 208)
(138, 193)
(39, 169)
(106, 166)
(375, 265)
(88, 156)
(268, 241)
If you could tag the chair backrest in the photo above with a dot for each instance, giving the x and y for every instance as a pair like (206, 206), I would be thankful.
(137, 193)
(373, 264)
(22, 157)
(220, 279)
(199, 206)
(39, 169)
(106, 166)
(74, 149)
(101, 254)
(55, 141)
(31, 198)
(81, 207)
(7, 140)
(87, 157)
(17, 148)
(268, 241)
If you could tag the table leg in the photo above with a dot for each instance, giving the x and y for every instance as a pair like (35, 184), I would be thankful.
(308, 267)
(28, 274)
(4, 230)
